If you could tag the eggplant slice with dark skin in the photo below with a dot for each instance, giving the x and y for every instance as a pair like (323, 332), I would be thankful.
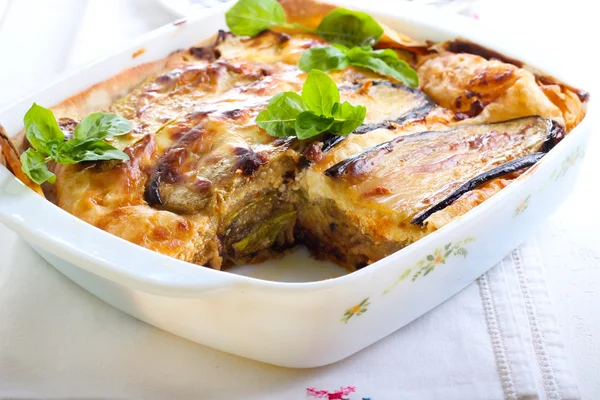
(409, 173)
(504, 169)
(389, 104)
(350, 165)
(555, 134)
(394, 103)
(171, 187)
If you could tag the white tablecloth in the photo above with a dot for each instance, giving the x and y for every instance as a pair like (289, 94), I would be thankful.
(498, 338)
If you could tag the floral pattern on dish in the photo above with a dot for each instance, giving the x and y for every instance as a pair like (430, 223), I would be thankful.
(357, 310)
(567, 163)
(428, 264)
(522, 207)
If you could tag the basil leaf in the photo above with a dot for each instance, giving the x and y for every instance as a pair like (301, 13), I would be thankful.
(281, 113)
(347, 118)
(350, 28)
(33, 164)
(385, 62)
(77, 150)
(101, 125)
(397, 69)
(318, 110)
(400, 66)
(320, 93)
(382, 53)
(48, 140)
(324, 58)
(251, 17)
(42, 130)
(309, 125)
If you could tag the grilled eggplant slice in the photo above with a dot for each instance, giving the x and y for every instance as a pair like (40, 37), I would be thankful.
(388, 105)
(474, 140)
(504, 169)
(381, 190)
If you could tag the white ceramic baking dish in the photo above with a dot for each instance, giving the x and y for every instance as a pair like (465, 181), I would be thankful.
(291, 324)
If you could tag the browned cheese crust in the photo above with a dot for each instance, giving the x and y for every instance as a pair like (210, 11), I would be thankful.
(204, 184)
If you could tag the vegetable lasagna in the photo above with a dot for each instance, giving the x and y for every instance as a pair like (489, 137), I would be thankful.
(216, 167)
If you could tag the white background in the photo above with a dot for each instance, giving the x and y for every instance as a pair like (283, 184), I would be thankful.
(41, 38)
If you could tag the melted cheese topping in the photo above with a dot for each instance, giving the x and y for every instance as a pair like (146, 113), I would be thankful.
(198, 159)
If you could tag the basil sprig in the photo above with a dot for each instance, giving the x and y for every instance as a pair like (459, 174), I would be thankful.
(343, 26)
(48, 141)
(350, 28)
(385, 62)
(317, 110)
(251, 17)
(351, 32)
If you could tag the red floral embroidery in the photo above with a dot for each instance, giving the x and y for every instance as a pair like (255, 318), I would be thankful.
(326, 394)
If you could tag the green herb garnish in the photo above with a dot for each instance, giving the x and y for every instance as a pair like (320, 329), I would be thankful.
(385, 62)
(251, 17)
(343, 26)
(48, 141)
(351, 32)
(350, 28)
(317, 110)
(279, 117)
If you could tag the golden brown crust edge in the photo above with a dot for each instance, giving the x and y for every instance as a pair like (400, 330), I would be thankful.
(103, 94)
(100, 95)
(94, 98)
(12, 161)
